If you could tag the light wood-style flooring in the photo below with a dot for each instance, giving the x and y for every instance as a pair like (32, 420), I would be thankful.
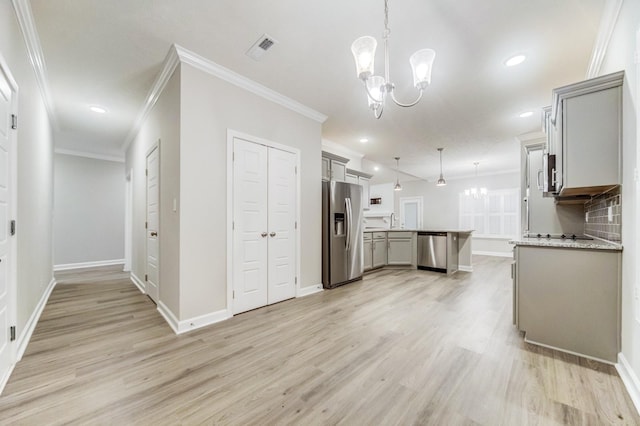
(399, 347)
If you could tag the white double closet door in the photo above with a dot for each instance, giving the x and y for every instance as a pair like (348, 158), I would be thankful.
(264, 225)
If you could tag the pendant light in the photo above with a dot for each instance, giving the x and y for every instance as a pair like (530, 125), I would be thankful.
(398, 187)
(441, 181)
(474, 191)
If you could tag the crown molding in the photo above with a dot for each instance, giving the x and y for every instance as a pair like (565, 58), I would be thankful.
(177, 55)
(605, 30)
(210, 67)
(169, 65)
(34, 50)
(91, 155)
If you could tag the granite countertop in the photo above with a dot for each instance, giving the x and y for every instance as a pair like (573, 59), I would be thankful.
(459, 231)
(594, 244)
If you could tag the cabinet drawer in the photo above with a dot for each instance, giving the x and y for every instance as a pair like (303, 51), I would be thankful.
(379, 235)
(399, 235)
(367, 236)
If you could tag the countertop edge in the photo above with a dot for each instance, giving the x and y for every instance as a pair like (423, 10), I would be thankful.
(580, 245)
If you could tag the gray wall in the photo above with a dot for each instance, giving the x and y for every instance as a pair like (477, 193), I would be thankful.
(88, 223)
(35, 174)
(620, 56)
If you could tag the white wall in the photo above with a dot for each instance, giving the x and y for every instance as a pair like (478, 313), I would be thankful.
(620, 56)
(441, 205)
(88, 223)
(35, 174)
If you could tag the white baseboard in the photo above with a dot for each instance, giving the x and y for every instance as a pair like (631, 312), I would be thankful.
(5, 378)
(139, 283)
(493, 253)
(67, 266)
(465, 268)
(306, 291)
(630, 380)
(194, 323)
(27, 332)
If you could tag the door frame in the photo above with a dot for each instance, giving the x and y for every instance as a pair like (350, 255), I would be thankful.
(146, 196)
(231, 135)
(12, 285)
(408, 200)
(128, 219)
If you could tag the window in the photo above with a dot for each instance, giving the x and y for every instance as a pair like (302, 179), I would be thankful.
(495, 215)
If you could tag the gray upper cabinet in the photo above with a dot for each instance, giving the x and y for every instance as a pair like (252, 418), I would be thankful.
(334, 167)
(362, 179)
(585, 135)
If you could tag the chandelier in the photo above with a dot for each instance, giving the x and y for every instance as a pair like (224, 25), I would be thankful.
(474, 191)
(378, 87)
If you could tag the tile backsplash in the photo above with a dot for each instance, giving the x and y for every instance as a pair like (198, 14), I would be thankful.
(603, 216)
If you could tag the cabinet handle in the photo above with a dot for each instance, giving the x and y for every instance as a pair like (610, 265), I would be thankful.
(154, 234)
(273, 234)
(264, 234)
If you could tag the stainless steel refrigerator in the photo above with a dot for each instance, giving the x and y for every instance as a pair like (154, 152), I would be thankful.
(342, 256)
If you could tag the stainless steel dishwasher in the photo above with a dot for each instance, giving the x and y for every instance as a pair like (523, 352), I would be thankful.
(432, 251)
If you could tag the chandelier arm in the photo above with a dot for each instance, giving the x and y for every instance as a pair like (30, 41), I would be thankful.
(380, 101)
(393, 97)
(375, 113)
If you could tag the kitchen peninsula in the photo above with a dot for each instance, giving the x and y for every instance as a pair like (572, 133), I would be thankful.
(399, 247)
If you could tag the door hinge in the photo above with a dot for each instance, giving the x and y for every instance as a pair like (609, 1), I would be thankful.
(12, 227)
(296, 280)
(146, 277)
(14, 121)
(233, 156)
(296, 169)
(146, 225)
(233, 225)
(146, 172)
(12, 332)
(233, 294)
(296, 226)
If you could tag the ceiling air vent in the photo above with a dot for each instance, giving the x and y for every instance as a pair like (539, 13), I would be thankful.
(260, 47)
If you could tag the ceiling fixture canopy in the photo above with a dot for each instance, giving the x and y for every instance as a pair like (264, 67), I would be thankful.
(441, 181)
(378, 87)
(474, 191)
(398, 187)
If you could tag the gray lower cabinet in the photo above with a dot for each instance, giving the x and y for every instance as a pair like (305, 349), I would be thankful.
(569, 299)
(379, 252)
(374, 250)
(400, 246)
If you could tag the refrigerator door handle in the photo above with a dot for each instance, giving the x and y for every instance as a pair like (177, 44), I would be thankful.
(347, 204)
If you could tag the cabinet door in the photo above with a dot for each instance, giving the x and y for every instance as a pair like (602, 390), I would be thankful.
(338, 171)
(379, 253)
(591, 139)
(400, 251)
(368, 255)
(351, 178)
(366, 198)
(326, 169)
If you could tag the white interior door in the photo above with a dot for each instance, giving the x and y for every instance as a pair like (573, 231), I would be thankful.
(411, 212)
(152, 275)
(7, 289)
(282, 225)
(250, 230)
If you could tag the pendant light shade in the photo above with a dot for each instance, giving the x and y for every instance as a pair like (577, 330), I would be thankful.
(441, 181)
(397, 187)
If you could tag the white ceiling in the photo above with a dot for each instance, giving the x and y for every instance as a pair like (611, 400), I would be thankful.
(109, 53)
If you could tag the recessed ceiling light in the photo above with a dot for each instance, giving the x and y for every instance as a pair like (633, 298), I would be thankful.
(526, 114)
(515, 60)
(376, 168)
(364, 140)
(98, 109)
